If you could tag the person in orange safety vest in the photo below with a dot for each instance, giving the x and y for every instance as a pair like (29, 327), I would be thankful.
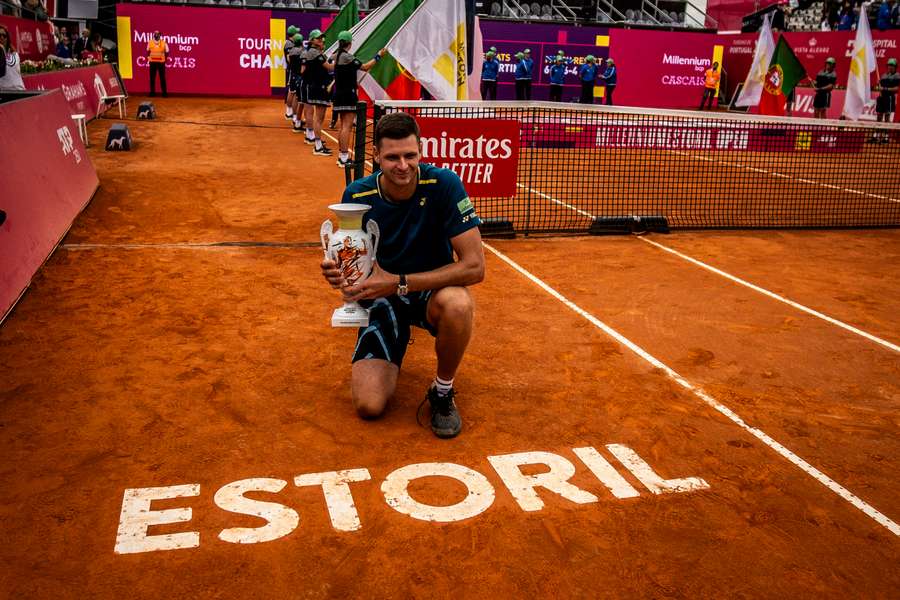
(157, 53)
(710, 85)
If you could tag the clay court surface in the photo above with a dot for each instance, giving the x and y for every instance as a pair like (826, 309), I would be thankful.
(148, 353)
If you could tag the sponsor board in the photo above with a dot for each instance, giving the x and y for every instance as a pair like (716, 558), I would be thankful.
(82, 88)
(32, 39)
(138, 515)
(47, 180)
(212, 51)
(676, 136)
(486, 158)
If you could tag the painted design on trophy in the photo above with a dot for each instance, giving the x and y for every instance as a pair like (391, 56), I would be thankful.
(353, 250)
(349, 259)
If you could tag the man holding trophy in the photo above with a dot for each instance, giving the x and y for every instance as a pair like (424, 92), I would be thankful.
(417, 218)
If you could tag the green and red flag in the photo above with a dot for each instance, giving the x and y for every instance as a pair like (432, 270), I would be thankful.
(785, 72)
(344, 21)
(387, 79)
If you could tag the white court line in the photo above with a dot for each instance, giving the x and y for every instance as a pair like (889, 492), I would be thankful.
(782, 176)
(554, 200)
(753, 287)
(810, 470)
(775, 296)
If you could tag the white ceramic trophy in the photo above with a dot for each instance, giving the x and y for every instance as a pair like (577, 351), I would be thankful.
(353, 250)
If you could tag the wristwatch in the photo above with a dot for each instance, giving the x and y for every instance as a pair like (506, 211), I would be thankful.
(402, 287)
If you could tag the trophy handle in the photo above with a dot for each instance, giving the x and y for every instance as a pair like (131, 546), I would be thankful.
(375, 235)
(325, 237)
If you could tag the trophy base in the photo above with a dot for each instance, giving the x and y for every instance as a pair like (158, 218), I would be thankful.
(350, 316)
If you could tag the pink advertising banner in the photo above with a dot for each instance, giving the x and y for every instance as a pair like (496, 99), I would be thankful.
(47, 179)
(811, 48)
(33, 39)
(82, 87)
(212, 51)
(662, 69)
(724, 137)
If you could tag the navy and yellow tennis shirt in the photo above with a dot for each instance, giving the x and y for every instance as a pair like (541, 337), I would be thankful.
(416, 234)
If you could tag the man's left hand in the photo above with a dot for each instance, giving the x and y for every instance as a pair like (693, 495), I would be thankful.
(379, 284)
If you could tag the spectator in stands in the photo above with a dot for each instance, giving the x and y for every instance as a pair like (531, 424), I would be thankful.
(83, 43)
(847, 18)
(490, 69)
(825, 81)
(883, 22)
(35, 9)
(895, 16)
(588, 75)
(63, 46)
(157, 54)
(710, 85)
(610, 77)
(10, 74)
(557, 78)
(886, 103)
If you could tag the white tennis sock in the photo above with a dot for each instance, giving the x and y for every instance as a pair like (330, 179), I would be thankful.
(318, 144)
(345, 156)
(443, 386)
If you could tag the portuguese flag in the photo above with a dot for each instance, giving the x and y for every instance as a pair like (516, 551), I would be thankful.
(344, 21)
(785, 72)
(387, 79)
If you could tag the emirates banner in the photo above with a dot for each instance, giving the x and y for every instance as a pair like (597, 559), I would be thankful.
(47, 179)
(33, 40)
(82, 87)
(486, 158)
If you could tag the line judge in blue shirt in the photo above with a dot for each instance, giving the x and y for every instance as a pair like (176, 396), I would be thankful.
(557, 78)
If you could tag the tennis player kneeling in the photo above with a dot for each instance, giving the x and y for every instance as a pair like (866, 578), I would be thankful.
(425, 218)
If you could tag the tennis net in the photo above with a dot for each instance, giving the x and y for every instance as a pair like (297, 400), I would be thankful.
(554, 168)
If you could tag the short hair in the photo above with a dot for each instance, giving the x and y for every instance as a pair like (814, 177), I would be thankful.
(396, 126)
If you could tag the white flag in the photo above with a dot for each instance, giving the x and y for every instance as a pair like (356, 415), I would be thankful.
(862, 64)
(478, 60)
(756, 77)
(431, 45)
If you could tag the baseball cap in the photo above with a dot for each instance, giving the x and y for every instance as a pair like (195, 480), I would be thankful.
(345, 36)
(830, 60)
(519, 55)
(610, 61)
(494, 49)
(560, 53)
(589, 58)
(490, 54)
(892, 62)
(527, 51)
(292, 30)
(314, 34)
(297, 38)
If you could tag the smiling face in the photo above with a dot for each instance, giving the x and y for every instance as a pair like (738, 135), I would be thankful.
(399, 160)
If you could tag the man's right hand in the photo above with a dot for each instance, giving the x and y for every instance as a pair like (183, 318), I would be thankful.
(332, 274)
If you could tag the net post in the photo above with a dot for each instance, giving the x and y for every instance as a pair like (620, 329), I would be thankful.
(359, 147)
(377, 112)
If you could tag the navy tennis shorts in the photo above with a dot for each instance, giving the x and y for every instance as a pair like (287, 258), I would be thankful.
(390, 319)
